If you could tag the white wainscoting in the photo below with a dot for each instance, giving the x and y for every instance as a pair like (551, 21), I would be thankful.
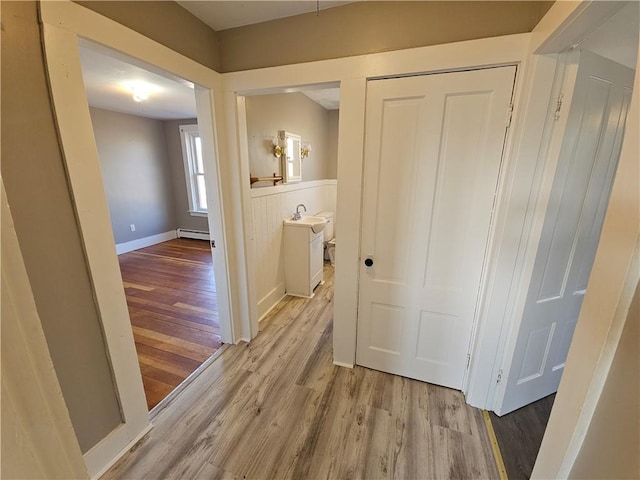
(270, 206)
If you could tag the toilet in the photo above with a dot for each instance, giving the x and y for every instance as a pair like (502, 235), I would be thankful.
(328, 237)
(331, 250)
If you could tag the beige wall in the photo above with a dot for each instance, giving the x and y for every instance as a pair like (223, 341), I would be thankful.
(612, 445)
(371, 27)
(37, 191)
(354, 29)
(166, 23)
(135, 173)
(295, 113)
(174, 151)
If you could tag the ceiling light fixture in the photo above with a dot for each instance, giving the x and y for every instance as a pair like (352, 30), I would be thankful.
(140, 90)
(139, 96)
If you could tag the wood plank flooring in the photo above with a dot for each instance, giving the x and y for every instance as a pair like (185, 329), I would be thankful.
(171, 295)
(519, 436)
(278, 408)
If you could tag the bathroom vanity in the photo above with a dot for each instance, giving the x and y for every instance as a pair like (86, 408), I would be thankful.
(303, 257)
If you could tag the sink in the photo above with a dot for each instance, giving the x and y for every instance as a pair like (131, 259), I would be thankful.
(316, 224)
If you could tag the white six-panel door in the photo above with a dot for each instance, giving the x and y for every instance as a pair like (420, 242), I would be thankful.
(571, 230)
(433, 149)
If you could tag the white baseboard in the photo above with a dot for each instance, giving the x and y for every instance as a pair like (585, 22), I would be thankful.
(270, 300)
(145, 242)
(194, 234)
(341, 364)
(104, 455)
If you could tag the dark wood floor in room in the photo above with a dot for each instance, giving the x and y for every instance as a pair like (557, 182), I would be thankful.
(278, 408)
(519, 436)
(171, 294)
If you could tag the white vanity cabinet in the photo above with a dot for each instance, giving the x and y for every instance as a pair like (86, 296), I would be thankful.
(303, 260)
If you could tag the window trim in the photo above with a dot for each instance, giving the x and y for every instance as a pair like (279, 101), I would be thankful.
(187, 142)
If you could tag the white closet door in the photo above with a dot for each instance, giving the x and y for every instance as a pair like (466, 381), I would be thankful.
(433, 151)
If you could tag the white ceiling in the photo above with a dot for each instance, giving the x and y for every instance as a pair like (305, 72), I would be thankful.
(617, 38)
(221, 15)
(329, 98)
(105, 77)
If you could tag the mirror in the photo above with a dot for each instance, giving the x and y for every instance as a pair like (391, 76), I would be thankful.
(291, 159)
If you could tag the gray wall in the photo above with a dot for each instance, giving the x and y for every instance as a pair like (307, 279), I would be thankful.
(612, 443)
(332, 146)
(295, 113)
(135, 173)
(176, 164)
(36, 184)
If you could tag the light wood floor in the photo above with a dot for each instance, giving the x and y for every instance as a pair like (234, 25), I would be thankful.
(278, 408)
(171, 296)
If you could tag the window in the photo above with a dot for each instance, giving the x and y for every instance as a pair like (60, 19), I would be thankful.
(194, 169)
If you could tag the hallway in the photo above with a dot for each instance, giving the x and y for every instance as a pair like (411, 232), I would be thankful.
(279, 408)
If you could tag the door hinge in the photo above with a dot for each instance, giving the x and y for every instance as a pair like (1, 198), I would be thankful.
(499, 379)
(213, 244)
(509, 114)
(556, 114)
(468, 359)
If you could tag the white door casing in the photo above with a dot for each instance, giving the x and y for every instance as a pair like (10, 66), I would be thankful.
(63, 24)
(571, 230)
(433, 150)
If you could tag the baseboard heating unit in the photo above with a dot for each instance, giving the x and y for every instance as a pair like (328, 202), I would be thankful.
(195, 234)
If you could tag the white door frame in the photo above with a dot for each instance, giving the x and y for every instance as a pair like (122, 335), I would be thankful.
(63, 24)
(352, 74)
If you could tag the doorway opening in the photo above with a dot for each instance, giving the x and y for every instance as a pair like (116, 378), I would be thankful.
(150, 152)
(292, 140)
(599, 75)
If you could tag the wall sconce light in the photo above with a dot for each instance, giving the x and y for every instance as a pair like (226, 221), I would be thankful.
(277, 150)
(305, 150)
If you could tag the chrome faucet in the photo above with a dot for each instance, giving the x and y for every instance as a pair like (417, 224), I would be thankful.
(297, 216)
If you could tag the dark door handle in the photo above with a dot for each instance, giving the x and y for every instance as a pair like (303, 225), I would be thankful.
(368, 262)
